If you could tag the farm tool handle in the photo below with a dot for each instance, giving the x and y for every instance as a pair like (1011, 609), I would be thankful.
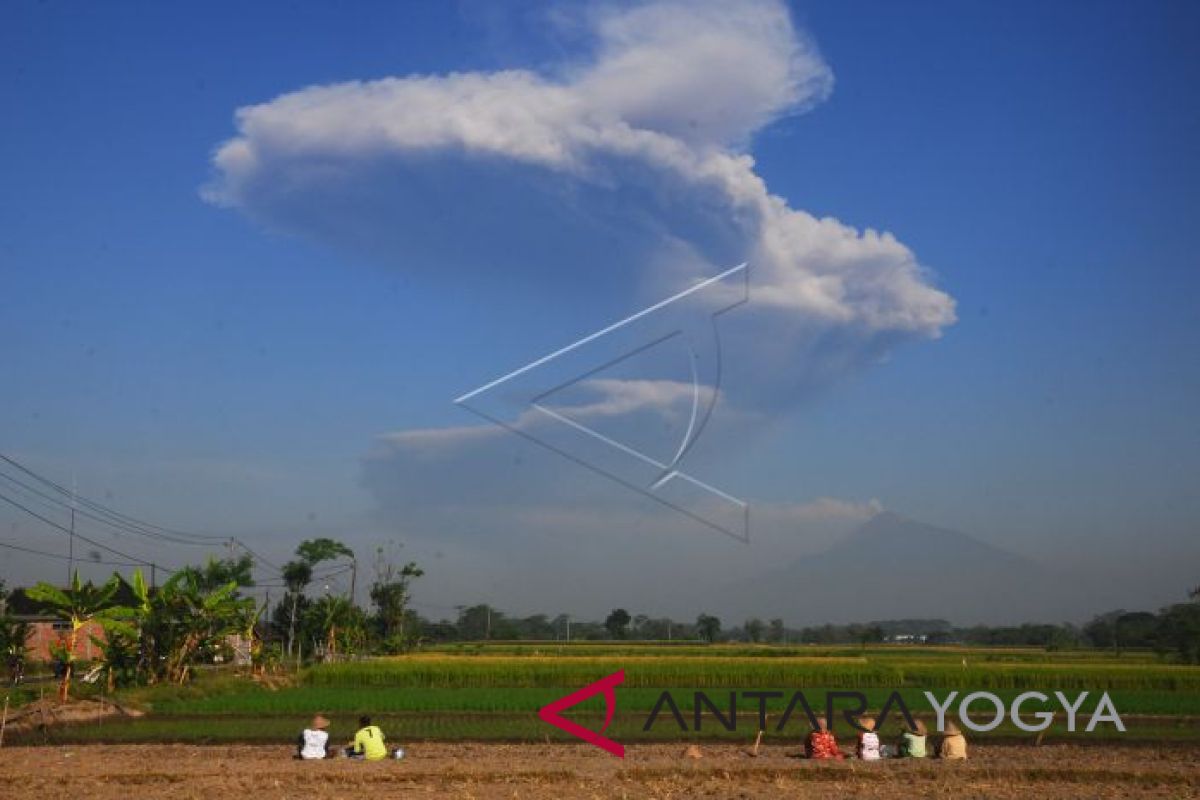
(4, 718)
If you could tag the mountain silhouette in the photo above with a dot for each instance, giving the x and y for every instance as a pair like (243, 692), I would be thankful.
(894, 567)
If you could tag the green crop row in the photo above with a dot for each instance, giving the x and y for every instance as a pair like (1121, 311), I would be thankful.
(454, 672)
(301, 701)
(907, 653)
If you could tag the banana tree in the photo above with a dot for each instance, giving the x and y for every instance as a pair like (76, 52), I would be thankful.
(13, 637)
(119, 654)
(340, 623)
(198, 619)
(149, 626)
(80, 604)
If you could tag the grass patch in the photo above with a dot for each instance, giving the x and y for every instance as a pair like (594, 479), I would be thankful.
(302, 700)
(454, 672)
(491, 693)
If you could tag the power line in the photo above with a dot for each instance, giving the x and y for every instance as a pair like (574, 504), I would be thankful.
(255, 556)
(56, 504)
(119, 521)
(122, 520)
(315, 578)
(65, 530)
(60, 557)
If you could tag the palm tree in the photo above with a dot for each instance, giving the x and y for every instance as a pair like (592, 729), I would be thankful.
(80, 604)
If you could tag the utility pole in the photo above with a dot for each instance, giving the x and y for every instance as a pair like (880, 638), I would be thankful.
(153, 575)
(488, 633)
(568, 628)
(71, 549)
(353, 578)
(71, 546)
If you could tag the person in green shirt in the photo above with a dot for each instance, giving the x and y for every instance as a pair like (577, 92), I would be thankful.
(912, 742)
(368, 742)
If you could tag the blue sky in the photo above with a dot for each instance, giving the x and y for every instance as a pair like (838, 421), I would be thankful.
(215, 368)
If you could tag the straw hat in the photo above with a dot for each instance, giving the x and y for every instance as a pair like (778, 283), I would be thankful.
(319, 723)
(917, 728)
(693, 752)
(951, 729)
(867, 722)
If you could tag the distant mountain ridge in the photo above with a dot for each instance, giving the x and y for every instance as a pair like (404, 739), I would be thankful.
(888, 533)
(893, 567)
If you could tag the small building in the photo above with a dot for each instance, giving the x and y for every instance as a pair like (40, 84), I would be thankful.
(907, 638)
(45, 630)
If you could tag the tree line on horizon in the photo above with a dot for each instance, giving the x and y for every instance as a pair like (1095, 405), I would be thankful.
(1173, 632)
(159, 634)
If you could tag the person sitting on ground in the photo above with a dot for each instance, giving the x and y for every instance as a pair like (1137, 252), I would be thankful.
(954, 744)
(314, 740)
(368, 742)
(868, 741)
(912, 741)
(821, 743)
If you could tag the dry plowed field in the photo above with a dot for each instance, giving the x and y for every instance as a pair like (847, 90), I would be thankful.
(180, 772)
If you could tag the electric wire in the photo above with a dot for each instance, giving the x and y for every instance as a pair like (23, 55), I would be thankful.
(68, 531)
(125, 520)
(118, 521)
(60, 557)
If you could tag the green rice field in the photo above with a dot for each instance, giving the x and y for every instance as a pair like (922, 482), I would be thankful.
(492, 693)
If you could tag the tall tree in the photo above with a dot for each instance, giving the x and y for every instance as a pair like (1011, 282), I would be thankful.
(617, 623)
(314, 551)
(218, 572)
(475, 622)
(391, 593)
(1105, 630)
(709, 627)
(296, 576)
(1179, 629)
(754, 629)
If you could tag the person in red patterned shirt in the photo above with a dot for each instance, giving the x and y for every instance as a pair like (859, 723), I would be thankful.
(821, 743)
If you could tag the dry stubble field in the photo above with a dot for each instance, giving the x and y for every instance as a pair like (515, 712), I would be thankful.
(541, 772)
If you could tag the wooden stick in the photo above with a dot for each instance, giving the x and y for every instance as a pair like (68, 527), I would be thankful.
(757, 742)
(42, 708)
(3, 720)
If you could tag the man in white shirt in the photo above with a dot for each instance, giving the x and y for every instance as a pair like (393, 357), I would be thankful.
(868, 741)
(313, 739)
